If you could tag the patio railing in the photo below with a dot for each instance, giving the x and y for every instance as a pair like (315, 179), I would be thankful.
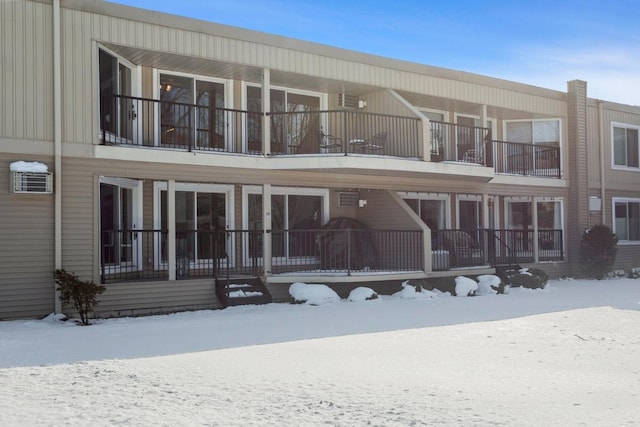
(129, 120)
(143, 254)
(526, 159)
(344, 131)
(454, 142)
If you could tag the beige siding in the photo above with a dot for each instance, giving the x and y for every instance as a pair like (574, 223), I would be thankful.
(26, 249)
(123, 299)
(26, 64)
(382, 212)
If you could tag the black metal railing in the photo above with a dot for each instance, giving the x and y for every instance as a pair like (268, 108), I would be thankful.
(346, 132)
(454, 142)
(526, 159)
(133, 255)
(346, 251)
(489, 247)
(129, 120)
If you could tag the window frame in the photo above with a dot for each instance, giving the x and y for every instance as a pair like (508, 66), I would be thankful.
(627, 200)
(626, 167)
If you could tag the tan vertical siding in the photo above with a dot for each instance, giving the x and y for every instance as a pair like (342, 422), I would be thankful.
(26, 64)
(382, 212)
(26, 249)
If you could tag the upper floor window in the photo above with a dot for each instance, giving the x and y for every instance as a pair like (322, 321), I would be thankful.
(625, 145)
(543, 132)
(626, 222)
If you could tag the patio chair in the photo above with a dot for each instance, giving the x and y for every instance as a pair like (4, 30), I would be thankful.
(472, 156)
(464, 249)
(375, 144)
(330, 143)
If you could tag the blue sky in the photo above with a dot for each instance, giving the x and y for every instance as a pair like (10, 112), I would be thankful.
(543, 43)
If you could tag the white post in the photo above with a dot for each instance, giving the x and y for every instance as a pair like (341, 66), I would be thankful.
(171, 225)
(266, 107)
(267, 235)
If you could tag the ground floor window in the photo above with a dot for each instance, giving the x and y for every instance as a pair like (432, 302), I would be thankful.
(120, 217)
(296, 214)
(433, 208)
(201, 212)
(626, 222)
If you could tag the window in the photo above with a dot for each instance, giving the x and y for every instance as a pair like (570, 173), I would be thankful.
(522, 214)
(120, 216)
(295, 123)
(118, 108)
(625, 146)
(295, 215)
(192, 112)
(542, 132)
(200, 211)
(532, 147)
(626, 222)
(433, 209)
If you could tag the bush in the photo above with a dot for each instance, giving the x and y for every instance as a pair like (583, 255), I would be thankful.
(598, 251)
(531, 278)
(84, 295)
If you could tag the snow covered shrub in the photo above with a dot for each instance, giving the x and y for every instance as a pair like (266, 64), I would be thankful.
(598, 251)
(531, 278)
(615, 274)
(84, 295)
(362, 294)
(634, 273)
(312, 294)
(410, 291)
(465, 287)
(489, 284)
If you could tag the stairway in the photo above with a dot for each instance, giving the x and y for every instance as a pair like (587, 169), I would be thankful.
(242, 290)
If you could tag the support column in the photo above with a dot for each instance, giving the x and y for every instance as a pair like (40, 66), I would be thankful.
(171, 225)
(57, 144)
(267, 235)
(266, 107)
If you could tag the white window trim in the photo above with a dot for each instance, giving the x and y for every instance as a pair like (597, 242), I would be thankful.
(228, 97)
(226, 189)
(137, 205)
(431, 196)
(613, 164)
(615, 200)
(136, 81)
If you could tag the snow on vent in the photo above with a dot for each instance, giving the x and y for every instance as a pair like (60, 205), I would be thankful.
(348, 198)
(30, 177)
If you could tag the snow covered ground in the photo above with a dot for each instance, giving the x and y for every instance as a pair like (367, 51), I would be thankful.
(565, 355)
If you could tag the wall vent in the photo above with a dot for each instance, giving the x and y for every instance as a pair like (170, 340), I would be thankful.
(31, 182)
(348, 198)
(347, 101)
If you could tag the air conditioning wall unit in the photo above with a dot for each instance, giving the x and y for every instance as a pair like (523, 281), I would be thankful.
(348, 198)
(31, 182)
(347, 101)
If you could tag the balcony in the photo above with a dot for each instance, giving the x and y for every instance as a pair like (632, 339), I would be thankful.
(144, 122)
(138, 255)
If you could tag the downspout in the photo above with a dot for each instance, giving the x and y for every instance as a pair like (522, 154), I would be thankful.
(603, 216)
(57, 149)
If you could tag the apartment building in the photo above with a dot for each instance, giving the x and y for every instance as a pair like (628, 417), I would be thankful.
(176, 161)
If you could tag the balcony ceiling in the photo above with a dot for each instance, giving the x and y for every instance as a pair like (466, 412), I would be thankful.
(228, 70)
